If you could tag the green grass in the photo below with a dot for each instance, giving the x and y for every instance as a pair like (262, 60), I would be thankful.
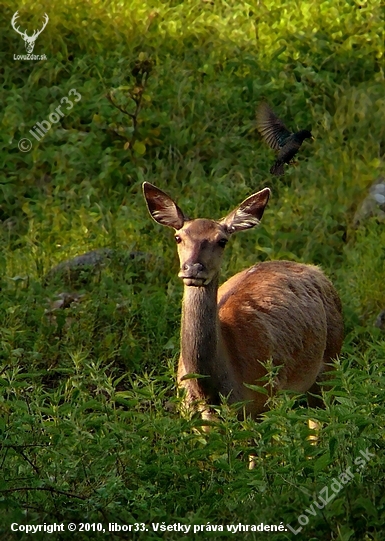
(89, 424)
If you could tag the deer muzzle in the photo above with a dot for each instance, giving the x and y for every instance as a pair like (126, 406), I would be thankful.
(194, 274)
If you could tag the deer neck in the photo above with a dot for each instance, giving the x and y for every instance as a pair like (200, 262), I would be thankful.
(202, 350)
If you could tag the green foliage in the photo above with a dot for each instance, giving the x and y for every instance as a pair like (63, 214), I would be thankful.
(90, 429)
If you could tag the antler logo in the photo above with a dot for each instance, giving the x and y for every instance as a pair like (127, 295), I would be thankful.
(29, 40)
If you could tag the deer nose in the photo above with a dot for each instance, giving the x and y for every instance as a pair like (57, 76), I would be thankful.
(192, 268)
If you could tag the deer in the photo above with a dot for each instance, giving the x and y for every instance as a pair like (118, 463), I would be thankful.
(280, 311)
(29, 40)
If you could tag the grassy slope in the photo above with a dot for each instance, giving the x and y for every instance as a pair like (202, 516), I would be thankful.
(89, 429)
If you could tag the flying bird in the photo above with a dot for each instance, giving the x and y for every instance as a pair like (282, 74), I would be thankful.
(278, 137)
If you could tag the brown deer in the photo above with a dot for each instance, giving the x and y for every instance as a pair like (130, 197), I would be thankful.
(282, 311)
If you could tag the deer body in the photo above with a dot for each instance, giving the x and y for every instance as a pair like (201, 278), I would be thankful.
(279, 310)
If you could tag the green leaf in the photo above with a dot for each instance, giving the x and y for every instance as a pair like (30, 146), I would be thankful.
(139, 147)
(257, 388)
(332, 446)
(193, 376)
(322, 463)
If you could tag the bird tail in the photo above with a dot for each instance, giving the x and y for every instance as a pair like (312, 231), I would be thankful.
(277, 169)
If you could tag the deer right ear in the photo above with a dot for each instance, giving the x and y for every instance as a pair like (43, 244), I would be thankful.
(162, 208)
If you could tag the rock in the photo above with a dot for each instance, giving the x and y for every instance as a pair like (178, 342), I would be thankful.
(373, 204)
(62, 301)
(80, 269)
(380, 320)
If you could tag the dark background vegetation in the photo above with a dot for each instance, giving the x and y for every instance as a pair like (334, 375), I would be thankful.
(89, 424)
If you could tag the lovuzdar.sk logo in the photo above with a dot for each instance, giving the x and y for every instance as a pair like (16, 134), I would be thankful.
(28, 40)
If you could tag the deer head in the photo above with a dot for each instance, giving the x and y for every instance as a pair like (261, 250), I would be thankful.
(201, 242)
(29, 40)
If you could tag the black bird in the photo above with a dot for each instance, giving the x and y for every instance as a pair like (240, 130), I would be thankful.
(278, 137)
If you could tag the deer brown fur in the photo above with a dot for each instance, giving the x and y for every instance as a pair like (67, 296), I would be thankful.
(280, 310)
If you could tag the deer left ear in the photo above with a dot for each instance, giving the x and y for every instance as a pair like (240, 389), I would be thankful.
(248, 214)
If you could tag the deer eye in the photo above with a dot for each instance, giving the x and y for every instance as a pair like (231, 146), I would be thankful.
(222, 243)
(178, 240)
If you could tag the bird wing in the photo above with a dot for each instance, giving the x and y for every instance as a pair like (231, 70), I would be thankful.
(272, 129)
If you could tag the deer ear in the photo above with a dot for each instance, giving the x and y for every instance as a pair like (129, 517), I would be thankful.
(248, 214)
(162, 208)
